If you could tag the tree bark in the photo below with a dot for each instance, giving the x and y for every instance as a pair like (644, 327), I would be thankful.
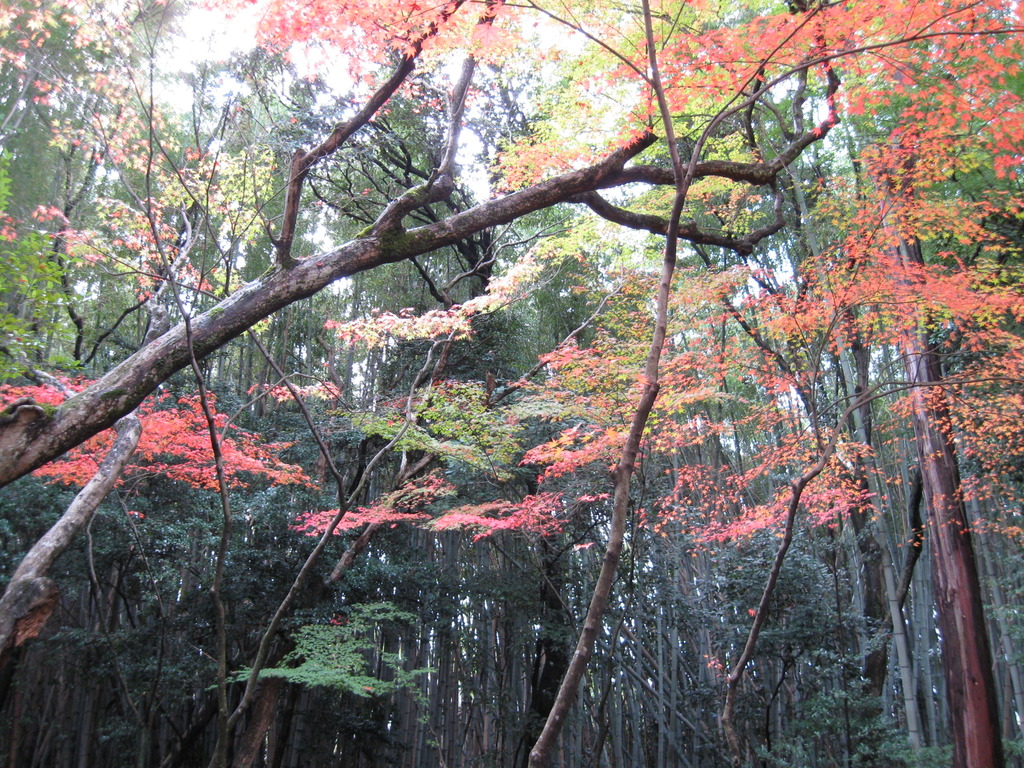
(966, 656)
(30, 596)
(899, 634)
(262, 718)
(551, 660)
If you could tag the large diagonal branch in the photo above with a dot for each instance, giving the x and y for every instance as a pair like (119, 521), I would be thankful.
(30, 436)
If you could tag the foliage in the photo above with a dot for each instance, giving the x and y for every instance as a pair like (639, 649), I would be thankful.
(175, 444)
(470, 364)
(335, 654)
(30, 287)
(407, 504)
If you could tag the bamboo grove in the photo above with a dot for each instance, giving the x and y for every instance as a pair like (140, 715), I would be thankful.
(511, 384)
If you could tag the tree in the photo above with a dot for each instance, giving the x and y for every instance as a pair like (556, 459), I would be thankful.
(732, 114)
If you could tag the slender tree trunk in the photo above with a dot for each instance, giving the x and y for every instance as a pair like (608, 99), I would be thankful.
(552, 655)
(966, 657)
(282, 742)
(930, 689)
(1010, 651)
(542, 752)
(899, 634)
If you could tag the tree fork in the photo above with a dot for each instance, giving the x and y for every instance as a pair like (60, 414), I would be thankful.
(29, 438)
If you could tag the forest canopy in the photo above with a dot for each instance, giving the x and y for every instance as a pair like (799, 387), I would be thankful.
(511, 384)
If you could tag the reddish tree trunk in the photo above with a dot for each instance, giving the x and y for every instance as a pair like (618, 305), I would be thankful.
(263, 715)
(966, 656)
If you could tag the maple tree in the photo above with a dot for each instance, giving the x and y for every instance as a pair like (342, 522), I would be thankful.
(174, 444)
(169, 443)
(783, 211)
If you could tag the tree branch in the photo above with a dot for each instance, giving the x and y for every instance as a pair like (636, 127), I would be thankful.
(303, 161)
(35, 437)
(30, 596)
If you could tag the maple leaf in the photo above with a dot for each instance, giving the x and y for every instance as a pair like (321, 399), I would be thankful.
(407, 504)
(175, 444)
(488, 36)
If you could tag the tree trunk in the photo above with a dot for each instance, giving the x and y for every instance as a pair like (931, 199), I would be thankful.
(899, 633)
(30, 597)
(262, 718)
(966, 657)
(552, 655)
(989, 558)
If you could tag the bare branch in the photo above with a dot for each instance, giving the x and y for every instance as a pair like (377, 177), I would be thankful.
(302, 161)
